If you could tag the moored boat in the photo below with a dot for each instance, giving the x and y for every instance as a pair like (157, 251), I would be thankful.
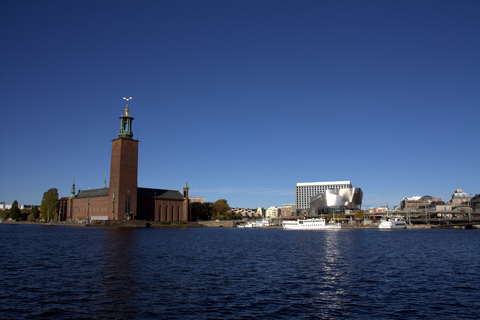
(310, 224)
(263, 223)
(396, 222)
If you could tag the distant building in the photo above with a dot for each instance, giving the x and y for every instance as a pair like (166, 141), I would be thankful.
(272, 213)
(337, 200)
(246, 213)
(62, 208)
(459, 197)
(475, 204)
(419, 203)
(197, 199)
(460, 201)
(8, 206)
(288, 210)
(261, 212)
(305, 191)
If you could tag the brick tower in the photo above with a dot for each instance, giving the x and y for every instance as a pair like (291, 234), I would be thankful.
(186, 204)
(123, 171)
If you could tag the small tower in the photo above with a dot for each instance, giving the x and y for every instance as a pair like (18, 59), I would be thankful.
(126, 123)
(72, 194)
(186, 203)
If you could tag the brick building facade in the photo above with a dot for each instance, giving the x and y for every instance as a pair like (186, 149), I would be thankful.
(123, 200)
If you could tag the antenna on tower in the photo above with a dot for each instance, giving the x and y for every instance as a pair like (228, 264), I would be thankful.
(126, 109)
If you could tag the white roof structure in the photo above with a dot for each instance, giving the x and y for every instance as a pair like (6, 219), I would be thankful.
(412, 198)
(305, 184)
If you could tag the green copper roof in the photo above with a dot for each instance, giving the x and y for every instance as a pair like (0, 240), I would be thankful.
(92, 193)
(185, 186)
(159, 193)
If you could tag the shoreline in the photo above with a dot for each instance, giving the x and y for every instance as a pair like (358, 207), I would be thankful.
(225, 224)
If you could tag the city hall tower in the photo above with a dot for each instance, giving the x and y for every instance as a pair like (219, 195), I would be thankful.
(123, 170)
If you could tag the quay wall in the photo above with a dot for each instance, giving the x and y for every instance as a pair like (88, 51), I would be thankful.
(99, 223)
(419, 226)
(223, 223)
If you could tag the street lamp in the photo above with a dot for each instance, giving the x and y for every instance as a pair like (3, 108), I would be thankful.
(113, 205)
(469, 216)
(426, 220)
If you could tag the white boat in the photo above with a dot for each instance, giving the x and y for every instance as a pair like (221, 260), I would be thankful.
(310, 224)
(396, 222)
(264, 223)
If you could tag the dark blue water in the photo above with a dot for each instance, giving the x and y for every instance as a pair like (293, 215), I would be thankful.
(49, 272)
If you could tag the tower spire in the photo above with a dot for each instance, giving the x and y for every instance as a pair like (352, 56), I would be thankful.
(126, 109)
(126, 123)
(72, 194)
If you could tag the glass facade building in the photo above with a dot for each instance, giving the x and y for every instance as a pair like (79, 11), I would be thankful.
(305, 191)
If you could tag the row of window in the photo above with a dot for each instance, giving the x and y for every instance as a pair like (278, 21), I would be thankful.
(91, 210)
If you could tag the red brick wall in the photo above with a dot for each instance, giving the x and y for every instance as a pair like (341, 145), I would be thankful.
(85, 208)
(169, 210)
(123, 175)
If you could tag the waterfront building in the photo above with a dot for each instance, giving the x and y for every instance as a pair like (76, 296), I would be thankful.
(245, 212)
(273, 212)
(261, 212)
(459, 197)
(475, 204)
(419, 203)
(305, 191)
(338, 200)
(123, 200)
(288, 210)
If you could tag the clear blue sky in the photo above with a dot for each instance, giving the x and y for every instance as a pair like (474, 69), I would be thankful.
(242, 98)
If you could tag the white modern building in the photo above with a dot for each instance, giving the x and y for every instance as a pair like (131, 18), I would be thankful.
(305, 191)
(337, 200)
(8, 206)
(272, 212)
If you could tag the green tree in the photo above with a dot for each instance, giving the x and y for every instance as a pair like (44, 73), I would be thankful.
(49, 206)
(35, 212)
(237, 216)
(221, 210)
(5, 214)
(15, 211)
(201, 211)
(24, 214)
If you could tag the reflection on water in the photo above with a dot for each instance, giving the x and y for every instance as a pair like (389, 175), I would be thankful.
(116, 274)
(84, 273)
(330, 294)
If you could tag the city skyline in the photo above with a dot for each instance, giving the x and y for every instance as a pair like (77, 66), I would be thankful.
(243, 99)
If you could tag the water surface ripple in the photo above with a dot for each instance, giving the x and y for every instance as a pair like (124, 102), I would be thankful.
(208, 273)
